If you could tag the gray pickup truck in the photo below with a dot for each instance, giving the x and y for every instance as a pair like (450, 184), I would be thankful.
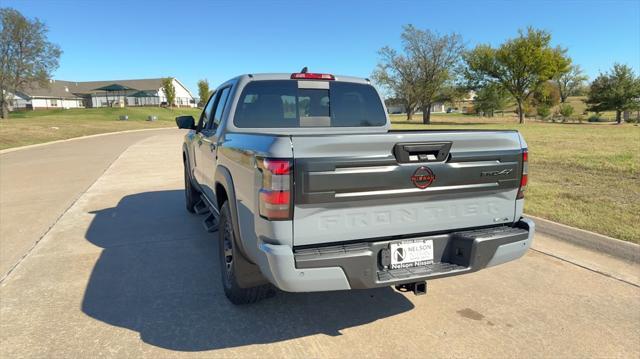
(310, 190)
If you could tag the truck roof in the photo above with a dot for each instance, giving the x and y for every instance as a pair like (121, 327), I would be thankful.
(287, 76)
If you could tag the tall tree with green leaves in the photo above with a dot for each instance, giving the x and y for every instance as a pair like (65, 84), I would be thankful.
(27, 58)
(398, 75)
(547, 94)
(617, 90)
(490, 99)
(520, 65)
(544, 98)
(203, 92)
(570, 82)
(169, 91)
(435, 58)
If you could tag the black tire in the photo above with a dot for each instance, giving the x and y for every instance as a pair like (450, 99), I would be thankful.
(227, 252)
(191, 195)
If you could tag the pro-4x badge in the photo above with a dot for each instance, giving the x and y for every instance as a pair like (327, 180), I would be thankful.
(505, 171)
(423, 177)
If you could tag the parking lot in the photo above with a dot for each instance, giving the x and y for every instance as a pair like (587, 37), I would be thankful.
(126, 271)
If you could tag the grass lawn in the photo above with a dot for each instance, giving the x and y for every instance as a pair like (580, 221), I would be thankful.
(30, 127)
(579, 111)
(583, 175)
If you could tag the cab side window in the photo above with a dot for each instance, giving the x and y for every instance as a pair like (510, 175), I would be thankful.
(221, 103)
(205, 117)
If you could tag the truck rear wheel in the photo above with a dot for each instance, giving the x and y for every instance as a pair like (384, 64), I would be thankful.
(191, 195)
(227, 252)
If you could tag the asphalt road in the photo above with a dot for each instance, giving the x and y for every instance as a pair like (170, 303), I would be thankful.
(127, 272)
(38, 184)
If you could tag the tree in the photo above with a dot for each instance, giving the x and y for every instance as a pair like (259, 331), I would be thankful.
(547, 94)
(435, 57)
(169, 90)
(617, 90)
(570, 82)
(27, 58)
(489, 99)
(452, 94)
(520, 65)
(203, 92)
(543, 99)
(398, 75)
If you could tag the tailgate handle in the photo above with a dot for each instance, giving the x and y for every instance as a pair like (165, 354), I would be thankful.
(421, 152)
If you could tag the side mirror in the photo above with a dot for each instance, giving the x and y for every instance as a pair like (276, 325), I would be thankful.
(186, 122)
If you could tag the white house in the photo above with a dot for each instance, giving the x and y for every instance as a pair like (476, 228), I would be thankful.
(71, 94)
(461, 105)
(438, 107)
(56, 95)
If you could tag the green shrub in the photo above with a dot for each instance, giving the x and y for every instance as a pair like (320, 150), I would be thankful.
(594, 118)
(544, 111)
(566, 110)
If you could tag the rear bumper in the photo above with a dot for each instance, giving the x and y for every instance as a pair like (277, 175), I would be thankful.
(364, 265)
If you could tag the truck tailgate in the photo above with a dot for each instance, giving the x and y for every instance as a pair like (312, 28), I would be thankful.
(355, 187)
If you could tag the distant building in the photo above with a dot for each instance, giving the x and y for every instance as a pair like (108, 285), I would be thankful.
(398, 108)
(464, 105)
(116, 93)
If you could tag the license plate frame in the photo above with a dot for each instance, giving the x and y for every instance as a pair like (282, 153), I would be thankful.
(411, 253)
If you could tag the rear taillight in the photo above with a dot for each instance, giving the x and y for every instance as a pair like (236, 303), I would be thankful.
(275, 193)
(525, 174)
(311, 76)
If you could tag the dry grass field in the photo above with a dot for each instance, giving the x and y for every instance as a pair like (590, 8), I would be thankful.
(26, 128)
(583, 175)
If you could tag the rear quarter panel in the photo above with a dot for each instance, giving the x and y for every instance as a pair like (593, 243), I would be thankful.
(237, 153)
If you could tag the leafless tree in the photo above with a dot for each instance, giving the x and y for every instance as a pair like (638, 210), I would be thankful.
(398, 75)
(435, 58)
(570, 82)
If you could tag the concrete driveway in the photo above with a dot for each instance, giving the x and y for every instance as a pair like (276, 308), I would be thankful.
(39, 183)
(126, 272)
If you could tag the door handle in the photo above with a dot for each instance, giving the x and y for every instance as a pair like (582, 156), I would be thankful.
(212, 146)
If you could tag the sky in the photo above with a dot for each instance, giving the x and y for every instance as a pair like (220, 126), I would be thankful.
(218, 40)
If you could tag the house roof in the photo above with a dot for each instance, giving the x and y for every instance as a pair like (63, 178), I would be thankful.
(56, 89)
(72, 89)
(114, 87)
(139, 84)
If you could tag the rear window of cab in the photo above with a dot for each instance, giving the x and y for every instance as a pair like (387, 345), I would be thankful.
(282, 104)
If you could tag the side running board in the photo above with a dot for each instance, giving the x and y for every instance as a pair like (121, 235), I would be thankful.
(201, 207)
(210, 222)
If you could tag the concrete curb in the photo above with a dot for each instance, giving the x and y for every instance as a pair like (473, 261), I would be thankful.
(598, 242)
(13, 149)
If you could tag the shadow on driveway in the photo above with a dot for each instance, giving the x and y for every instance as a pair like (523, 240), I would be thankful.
(158, 274)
